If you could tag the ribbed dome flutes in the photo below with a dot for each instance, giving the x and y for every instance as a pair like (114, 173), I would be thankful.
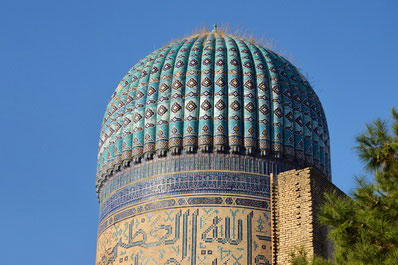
(213, 92)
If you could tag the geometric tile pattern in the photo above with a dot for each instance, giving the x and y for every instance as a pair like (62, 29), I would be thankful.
(213, 92)
(198, 209)
(186, 201)
(178, 213)
(191, 165)
(186, 183)
(193, 234)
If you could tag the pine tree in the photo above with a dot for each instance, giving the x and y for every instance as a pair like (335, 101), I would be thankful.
(364, 226)
(300, 257)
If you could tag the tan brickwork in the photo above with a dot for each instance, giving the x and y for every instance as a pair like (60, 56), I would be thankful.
(274, 218)
(297, 197)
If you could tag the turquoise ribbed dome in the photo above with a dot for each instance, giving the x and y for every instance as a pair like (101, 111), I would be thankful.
(213, 92)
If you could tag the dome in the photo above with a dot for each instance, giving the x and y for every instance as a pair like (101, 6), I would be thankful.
(217, 93)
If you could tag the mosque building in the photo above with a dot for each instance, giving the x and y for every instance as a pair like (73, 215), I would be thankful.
(213, 150)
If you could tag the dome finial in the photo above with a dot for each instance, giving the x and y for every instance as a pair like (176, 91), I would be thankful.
(214, 28)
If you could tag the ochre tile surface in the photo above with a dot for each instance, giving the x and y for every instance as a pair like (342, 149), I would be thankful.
(207, 233)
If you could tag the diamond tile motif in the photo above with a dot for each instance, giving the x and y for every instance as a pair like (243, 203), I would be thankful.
(220, 117)
(193, 62)
(151, 91)
(177, 84)
(250, 107)
(191, 106)
(260, 66)
(162, 110)
(166, 66)
(161, 99)
(206, 93)
(247, 65)
(154, 70)
(249, 84)
(264, 109)
(297, 99)
(299, 121)
(278, 112)
(175, 107)
(206, 82)
(235, 105)
(289, 116)
(149, 113)
(179, 64)
(126, 121)
(190, 118)
(220, 105)
(235, 83)
(192, 83)
(163, 87)
(192, 94)
(220, 82)
(139, 94)
(205, 117)
(206, 61)
(220, 62)
(206, 105)
(262, 86)
(137, 117)
(276, 89)
(287, 94)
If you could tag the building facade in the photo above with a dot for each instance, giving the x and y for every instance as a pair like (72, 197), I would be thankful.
(213, 150)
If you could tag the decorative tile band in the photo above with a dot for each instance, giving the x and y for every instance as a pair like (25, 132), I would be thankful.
(181, 202)
(182, 163)
(187, 183)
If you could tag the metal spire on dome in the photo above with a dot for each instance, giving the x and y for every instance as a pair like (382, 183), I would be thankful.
(214, 28)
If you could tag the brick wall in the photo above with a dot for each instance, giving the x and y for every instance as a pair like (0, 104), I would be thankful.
(297, 195)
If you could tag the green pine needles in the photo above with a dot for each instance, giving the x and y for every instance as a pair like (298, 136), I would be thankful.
(364, 227)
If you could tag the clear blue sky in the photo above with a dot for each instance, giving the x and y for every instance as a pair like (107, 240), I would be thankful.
(61, 60)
